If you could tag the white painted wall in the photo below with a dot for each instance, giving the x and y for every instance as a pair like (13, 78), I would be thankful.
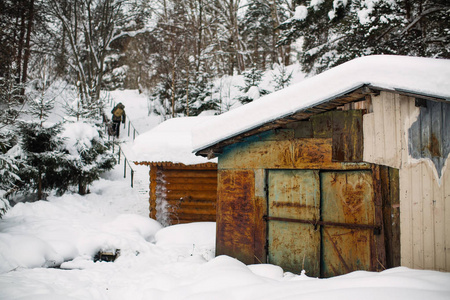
(424, 197)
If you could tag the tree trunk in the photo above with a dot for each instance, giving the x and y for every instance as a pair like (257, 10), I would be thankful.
(21, 40)
(173, 92)
(39, 190)
(81, 187)
(28, 39)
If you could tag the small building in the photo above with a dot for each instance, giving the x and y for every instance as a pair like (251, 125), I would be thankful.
(347, 170)
(183, 187)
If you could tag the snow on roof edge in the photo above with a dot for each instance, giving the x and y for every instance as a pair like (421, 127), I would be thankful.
(357, 86)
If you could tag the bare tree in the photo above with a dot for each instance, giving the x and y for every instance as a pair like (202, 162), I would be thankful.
(89, 26)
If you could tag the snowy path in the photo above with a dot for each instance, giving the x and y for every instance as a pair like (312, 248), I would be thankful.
(138, 121)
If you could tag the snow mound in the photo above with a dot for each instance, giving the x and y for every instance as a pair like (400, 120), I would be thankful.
(47, 233)
(200, 234)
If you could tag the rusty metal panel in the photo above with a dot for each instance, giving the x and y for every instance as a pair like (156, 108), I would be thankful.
(259, 154)
(429, 136)
(294, 194)
(346, 130)
(236, 214)
(348, 136)
(312, 152)
(181, 194)
(347, 197)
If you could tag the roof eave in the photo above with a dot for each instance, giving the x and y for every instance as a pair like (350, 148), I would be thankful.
(353, 95)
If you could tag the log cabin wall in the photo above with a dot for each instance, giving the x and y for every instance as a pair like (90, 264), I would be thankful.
(183, 193)
(413, 135)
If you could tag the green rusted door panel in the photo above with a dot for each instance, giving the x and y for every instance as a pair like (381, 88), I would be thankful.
(347, 198)
(294, 195)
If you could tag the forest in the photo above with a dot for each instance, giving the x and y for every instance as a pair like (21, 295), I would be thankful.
(173, 50)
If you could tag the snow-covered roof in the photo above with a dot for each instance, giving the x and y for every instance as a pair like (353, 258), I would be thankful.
(421, 76)
(170, 141)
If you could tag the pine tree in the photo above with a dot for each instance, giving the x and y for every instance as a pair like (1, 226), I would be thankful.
(258, 29)
(334, 32)
(89, 151)
(251, 90)
(282, 79)
(89, 154)
(41, 151)
(11, 100)
(198, 96)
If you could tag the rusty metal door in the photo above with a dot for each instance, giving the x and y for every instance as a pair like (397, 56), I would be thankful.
(322, 222)
(294, 195)
(348, 212)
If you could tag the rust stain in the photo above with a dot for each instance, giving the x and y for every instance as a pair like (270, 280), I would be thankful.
(434, 146)
(236, 215)
(278, 204)
(353, 197)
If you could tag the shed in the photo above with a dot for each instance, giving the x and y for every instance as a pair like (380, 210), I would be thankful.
(347, 170)
(183, 187)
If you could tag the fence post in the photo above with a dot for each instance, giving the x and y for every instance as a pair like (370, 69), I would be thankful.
(124, 168)
(119, 155)
(132, 176)
(129, 128)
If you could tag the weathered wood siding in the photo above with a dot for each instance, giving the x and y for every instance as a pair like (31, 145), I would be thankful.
(183, 194)
(414, 136)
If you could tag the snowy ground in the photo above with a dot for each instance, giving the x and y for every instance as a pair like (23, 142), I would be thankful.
(47, 250)
(176, 262)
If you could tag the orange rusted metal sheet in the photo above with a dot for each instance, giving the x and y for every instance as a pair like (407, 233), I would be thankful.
(182, 194)
(294, 194)
(236, 215)
(347, 198)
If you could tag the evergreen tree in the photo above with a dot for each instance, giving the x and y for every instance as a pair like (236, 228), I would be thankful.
(11, 100)
(251, 90)
(258, 31)
(41, 150)
(89, 154)
(89, 151)
(198, 96)
(337, 31)
(282, 79)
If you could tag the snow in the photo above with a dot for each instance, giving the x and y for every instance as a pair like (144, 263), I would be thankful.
(137, 108)
(171, 141)
(47, 247)
(171, 263)
(301, 12)
(316, 3)
(253, 93)
(78, 132)
(423, 76)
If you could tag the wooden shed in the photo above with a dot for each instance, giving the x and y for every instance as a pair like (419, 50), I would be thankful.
(183, 187)
(347, 170)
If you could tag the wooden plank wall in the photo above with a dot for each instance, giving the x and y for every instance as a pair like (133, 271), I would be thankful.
(424, 194)
(183, 194)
